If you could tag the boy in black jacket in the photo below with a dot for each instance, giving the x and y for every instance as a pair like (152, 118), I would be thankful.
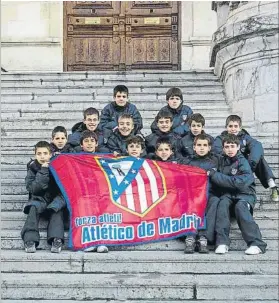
(91, 120)
(136, 147)
(203, 158)
(252, 151)
(59, 141)
(111, 112)
(164, 122)
(235, 182)
(196, 124)
(179, 111)
(44, 196)
(164, 151)
(117, 141)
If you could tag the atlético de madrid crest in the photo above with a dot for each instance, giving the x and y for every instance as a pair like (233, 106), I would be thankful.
(135, 184)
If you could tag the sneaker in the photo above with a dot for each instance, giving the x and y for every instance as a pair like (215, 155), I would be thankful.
(89, 249)
(221, 249)
(253, 250)
(189, 245)
(274, 194)
(202, 245)
(102, 249)
(56, 245)
(30, 246)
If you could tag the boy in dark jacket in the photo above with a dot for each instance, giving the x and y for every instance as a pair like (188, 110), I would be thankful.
(117, 141)
(164, 151)
(164, 122)
(44, 197)
(91, 120)
(203, 158)
(196, 124)
(252, 151)
(59, 141)
(235, 183)
(111, 112)
(179, 111)
(135, 147)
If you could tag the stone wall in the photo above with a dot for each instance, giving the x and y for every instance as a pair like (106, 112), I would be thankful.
(31, 35)
(245, 57)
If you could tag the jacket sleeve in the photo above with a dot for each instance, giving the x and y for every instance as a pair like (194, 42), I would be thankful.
(181, 130)
(37, 184)
(217, 145)
(106, 120)
(240, 182)
(74, 139)
(137, 119)
(255, 150)
(113, 146)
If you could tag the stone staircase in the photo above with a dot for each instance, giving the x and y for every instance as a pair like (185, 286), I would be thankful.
(32, 104)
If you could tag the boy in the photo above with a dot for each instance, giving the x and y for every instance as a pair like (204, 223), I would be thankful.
(117, 141)
(111, 112)
(164, 122)
(59, 141)
(196, 124)
(179, 111)
(43, 196)
(252, 151)
(235, 182)
(164, 151)
(91, 120)
(202, 158)
(135, 147)
(89, 143)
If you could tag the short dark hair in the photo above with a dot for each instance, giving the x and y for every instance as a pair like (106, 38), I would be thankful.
(90, 111)
(164, 114)
(163, 140)
(88, 134)
(135, 140)
(125, 116)
(203, 137)
(120, 89)
(230, 138)
(42, 144)
(234, 118)
(174, 92)
(197, 118)
(59, 129)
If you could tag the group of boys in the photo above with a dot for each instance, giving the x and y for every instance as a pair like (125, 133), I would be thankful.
(178, 136)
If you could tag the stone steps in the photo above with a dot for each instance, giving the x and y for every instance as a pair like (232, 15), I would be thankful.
(128, 301)
(138, 286)
(126, 262)
(10, 239)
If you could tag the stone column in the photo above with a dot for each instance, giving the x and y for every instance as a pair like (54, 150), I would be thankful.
(245, 57)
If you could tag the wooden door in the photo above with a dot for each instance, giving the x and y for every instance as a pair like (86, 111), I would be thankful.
(120, 35)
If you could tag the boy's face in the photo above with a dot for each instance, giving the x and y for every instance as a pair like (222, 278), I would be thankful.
(196, 128)
(164, 124)
(230, 149)
(91, 122)
(42, 155)
(174, 102)
(125, 126)
(121, 98)
(202, 148)
(233, 127)
(134, 150)
(59, 140)
(89, 145)
(164, 151)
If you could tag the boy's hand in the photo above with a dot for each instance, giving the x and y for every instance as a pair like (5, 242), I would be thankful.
(45, 164)
(116, 154)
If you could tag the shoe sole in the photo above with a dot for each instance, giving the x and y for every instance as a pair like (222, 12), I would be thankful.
(55, 251)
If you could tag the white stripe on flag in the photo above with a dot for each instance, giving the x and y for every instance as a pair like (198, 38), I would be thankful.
(130, 197)
(142, 193)
(153, 182)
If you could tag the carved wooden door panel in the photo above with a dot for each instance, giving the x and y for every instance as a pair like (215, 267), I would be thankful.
(119, 35)
(152, 35)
